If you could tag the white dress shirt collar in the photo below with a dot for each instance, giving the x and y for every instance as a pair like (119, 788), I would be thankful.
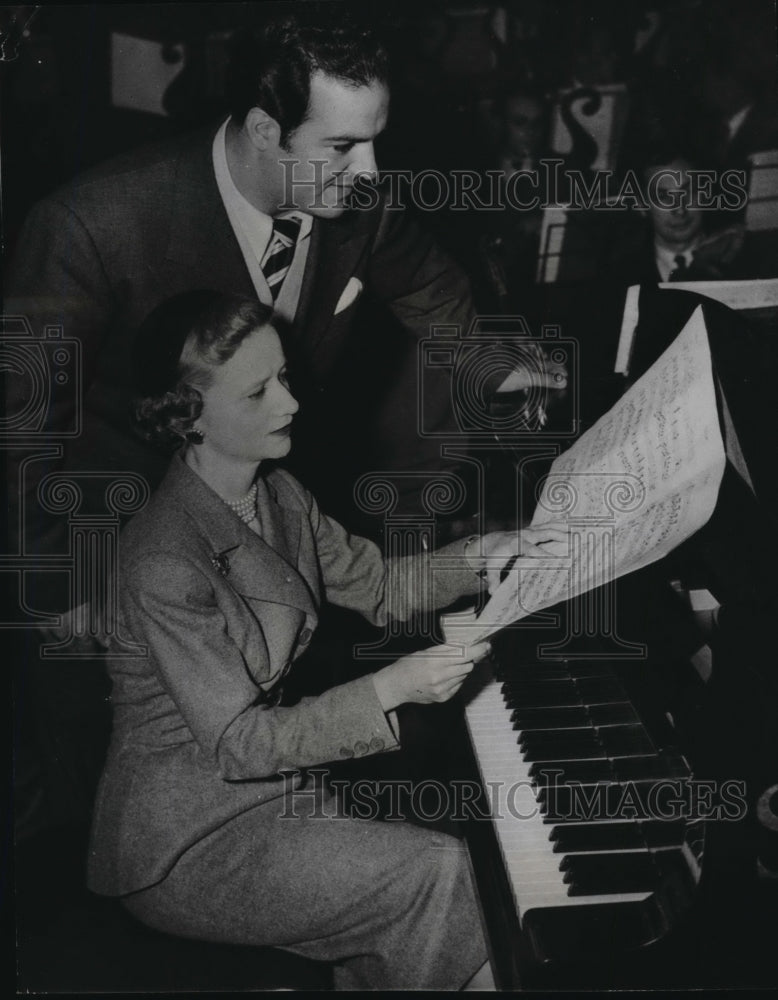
(253, 230)
(666, 261)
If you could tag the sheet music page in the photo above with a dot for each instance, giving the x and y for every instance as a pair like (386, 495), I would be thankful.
(629, 324)
(639, 482)
(752, 293)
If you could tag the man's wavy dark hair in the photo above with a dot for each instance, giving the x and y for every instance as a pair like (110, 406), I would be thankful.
(271, 66)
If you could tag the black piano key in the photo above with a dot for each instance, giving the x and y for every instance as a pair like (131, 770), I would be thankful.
(545, 689)
(556, 668)
(653, 767)
(587, 803)
(555, 717)
(572, 838)
(560, 772)
(574, 716)
(592, 874)
(613, 714)
(565, 744)
(620, 769)
(561, 737)
(552, 669)
(610, 741)
(532, 671)
(596, 690)
(625, 741)
(570, 717)
(632, 871)
(586, 668)
(545, 698)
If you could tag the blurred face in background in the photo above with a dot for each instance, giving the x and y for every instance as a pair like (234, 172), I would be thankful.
(523, 126)
(677, 221)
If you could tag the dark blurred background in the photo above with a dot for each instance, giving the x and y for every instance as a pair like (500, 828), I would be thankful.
(477, 86)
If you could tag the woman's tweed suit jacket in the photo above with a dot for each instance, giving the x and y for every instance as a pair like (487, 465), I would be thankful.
(218, 614)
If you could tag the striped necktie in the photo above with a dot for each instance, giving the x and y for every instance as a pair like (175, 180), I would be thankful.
(280, 251)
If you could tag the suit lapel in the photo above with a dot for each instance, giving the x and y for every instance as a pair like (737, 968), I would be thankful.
(335, 250)
(259, 568)
(201, 250)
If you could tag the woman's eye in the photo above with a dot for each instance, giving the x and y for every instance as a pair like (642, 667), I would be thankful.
(258, 393)
(345, 147)
(283, 378)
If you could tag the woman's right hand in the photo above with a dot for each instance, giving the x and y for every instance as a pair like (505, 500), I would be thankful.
(431, 675)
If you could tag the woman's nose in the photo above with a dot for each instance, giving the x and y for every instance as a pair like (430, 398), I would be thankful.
(288, 402)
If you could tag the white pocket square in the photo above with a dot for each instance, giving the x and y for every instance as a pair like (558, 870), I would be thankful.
(350, 294)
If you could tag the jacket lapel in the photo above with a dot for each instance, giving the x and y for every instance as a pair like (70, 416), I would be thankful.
(201, 250)
(335, 251)
(258, 568)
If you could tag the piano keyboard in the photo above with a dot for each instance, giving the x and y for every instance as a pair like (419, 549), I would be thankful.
(558, 746)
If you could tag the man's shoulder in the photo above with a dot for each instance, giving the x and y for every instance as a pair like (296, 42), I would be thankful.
(143, 168)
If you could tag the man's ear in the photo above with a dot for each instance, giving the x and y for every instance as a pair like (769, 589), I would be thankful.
(263, 132)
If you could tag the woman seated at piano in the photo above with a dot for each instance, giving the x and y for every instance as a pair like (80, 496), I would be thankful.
(206, 825)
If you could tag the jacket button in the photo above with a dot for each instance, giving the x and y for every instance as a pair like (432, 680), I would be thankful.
(360, 747)
(305, 635)
(346, 752)
(376, 743)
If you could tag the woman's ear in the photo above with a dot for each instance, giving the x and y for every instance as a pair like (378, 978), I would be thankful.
(183, 428)
(183, 421)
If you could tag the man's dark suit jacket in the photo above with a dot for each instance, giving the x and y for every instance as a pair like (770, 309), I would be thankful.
(98, 255)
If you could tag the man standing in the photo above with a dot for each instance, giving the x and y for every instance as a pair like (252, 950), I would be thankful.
(257, 206)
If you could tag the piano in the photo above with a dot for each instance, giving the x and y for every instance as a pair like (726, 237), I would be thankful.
(600, 859)
(573, 773)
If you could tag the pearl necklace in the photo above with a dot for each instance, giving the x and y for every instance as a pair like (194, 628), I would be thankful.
(246, 507)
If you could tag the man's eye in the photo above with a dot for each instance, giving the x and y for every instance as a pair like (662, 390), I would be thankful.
(345, 147)
(257, 393)
(283, 378)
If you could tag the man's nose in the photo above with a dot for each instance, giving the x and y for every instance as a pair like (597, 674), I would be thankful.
(364, 162)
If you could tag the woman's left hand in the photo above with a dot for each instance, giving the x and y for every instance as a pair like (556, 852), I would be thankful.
(497, 549)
